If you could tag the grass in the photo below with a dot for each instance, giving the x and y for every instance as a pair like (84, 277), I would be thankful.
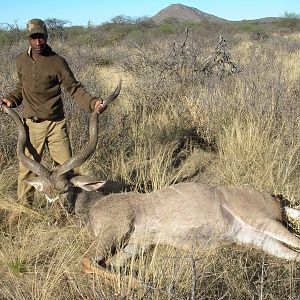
(44, 263)
(240, 130)
(17, 266)
(250, 153)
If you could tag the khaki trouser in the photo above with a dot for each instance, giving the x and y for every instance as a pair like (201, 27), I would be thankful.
(50, 133)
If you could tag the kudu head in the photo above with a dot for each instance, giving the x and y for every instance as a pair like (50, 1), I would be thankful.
(57, 182)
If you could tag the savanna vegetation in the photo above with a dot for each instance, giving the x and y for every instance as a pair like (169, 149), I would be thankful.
(193, 107)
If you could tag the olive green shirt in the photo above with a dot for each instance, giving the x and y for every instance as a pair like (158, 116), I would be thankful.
(39, 86)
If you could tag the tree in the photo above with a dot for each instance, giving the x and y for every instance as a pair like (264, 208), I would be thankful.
(56, 27)
(121, 19)
(291, 15)
(10, 32)
(291, 20)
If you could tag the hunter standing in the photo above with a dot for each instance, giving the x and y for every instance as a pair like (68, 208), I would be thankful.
(41, 74)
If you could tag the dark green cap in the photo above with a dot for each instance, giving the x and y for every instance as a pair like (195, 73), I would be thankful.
(36, 26)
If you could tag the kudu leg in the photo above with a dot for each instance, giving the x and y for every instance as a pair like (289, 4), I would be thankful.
(251, 237)
(110, 243)
(244, 234)
(123, 256)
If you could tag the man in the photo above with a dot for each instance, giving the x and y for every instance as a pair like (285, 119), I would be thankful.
(41, 73)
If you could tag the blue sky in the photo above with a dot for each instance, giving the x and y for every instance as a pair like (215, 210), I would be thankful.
(80, 12)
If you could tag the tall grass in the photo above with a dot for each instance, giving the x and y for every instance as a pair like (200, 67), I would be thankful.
(243, 129)
(43, 262)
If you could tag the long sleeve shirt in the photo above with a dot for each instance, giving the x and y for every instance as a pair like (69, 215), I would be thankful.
(39, 86)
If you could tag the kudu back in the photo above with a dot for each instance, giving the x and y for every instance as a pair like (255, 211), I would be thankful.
(181, 215)
(188, 214)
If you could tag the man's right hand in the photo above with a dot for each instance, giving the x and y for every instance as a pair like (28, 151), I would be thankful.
(6, 102)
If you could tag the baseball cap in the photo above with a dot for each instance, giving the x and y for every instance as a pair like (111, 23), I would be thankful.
(36, 26)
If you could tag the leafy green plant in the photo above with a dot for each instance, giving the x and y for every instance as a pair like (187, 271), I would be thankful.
(18, 266)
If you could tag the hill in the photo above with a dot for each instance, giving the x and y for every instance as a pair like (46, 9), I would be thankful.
(184, 13)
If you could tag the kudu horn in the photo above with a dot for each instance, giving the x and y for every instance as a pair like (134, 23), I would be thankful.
(81, 157)
(30, 164)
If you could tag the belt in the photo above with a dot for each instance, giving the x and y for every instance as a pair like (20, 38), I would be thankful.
(36, 120)
(39, 120)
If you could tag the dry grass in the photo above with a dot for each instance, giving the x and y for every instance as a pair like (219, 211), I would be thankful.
(43, 262)
(244, 129)
(250, 152)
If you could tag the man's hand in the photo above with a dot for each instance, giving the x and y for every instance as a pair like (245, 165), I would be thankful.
(6, 102)
(99, 106)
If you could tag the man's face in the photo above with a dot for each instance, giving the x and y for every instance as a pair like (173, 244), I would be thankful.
(38, 43)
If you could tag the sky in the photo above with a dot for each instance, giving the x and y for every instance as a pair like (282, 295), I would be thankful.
(81, 12)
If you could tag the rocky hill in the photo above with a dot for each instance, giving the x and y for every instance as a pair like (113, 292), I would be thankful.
(184, 13)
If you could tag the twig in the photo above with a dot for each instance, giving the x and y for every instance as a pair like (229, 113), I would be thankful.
(194, 275)
(262, 279)
(223, 297)
(187, 30)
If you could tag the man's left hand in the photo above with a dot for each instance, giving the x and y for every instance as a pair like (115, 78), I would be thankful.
(99, 106)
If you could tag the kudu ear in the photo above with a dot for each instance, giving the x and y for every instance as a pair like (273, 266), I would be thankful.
(37, 184)
(86, 183)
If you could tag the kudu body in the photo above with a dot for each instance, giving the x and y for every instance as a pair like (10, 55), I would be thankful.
(190, 214)
(181, 215)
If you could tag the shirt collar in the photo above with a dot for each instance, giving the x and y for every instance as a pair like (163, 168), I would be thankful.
(47, 51)
(29, 51)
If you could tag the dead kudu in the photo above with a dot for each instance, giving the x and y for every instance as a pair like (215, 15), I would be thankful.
(177, 215)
